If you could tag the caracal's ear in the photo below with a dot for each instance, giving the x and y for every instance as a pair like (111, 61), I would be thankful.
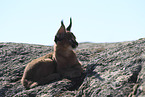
(61, 29)
(60, 33)
(69, 27)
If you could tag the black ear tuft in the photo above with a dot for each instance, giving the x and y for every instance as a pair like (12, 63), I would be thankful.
(60, 33)
(62, 29)
(69, 27)
(62, 24)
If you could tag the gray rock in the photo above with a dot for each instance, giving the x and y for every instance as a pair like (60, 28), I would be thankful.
(111, 70)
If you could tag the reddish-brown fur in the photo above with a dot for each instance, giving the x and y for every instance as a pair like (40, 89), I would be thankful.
(39, 71)
(67, 63)
(63, 62)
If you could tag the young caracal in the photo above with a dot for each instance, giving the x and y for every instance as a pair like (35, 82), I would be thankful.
(62, 63)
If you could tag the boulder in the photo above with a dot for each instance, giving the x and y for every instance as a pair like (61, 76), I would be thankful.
(111, 70)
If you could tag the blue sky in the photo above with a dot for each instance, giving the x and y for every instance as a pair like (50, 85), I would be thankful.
(37, 21)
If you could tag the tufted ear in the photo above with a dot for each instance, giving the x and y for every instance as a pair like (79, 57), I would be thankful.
(61, 29)
(69, 27)
(60, 33)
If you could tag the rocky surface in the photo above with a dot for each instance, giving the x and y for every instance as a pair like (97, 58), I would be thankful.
(112, 70)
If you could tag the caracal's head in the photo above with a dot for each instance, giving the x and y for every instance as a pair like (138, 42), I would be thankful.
(65, 38)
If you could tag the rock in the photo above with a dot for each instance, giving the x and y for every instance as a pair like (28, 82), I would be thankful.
(111, 70)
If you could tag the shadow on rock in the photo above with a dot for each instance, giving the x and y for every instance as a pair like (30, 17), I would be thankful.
(76, 82)
(90, 72)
